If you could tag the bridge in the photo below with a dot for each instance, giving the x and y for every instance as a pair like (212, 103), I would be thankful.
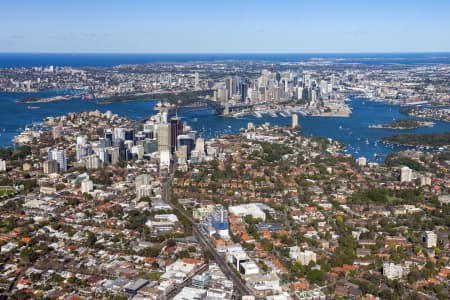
(201, 103)
(196, 104)
(218, 107)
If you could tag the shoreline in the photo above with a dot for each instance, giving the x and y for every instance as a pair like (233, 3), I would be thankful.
(420, 124)
(31, 100)
(429, 141)
(427, 147)
(356, 148)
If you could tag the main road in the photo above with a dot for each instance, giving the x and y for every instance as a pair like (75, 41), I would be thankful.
(206, 244)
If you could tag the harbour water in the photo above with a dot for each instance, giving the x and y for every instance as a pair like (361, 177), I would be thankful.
(353, 131)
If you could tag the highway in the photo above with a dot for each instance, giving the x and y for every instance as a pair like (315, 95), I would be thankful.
(206, 244)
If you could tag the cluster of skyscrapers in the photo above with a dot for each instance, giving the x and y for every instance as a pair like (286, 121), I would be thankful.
(275, 87)
(162, 135)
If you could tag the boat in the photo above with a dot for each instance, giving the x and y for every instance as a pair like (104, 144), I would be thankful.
(272, 114)
(33, 107)
(367, 141)
(340, 127)
(88, 97)
(239, 114)
(257, 114)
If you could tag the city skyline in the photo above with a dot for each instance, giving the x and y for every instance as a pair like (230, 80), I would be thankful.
(235, 150)
(231, 27)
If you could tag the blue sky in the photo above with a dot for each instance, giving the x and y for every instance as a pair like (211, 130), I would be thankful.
(314, 26)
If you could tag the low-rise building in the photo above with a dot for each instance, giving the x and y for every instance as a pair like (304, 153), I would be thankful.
(393, 271)
(304, 257)
(87, 186)
(162, 223)
(2, 165)
(429, 238)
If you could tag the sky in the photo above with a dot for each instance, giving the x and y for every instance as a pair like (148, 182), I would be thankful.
(230, 26)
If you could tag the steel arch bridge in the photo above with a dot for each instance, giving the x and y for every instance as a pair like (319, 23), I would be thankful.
(200, 102)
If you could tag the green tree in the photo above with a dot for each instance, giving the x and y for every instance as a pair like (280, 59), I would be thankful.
(91, 239)
(150, 252)
(267, 245)
(316, 276)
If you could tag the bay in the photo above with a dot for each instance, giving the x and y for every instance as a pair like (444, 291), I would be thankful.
(353, 131)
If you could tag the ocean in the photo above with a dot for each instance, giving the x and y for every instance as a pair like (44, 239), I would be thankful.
(16, 60)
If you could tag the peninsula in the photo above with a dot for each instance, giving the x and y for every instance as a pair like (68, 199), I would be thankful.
(171, 97)
(424, 140)
(404, 124)
(44, 100)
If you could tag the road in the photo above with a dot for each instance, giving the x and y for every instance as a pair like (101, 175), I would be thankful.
(185, 283)
(206, 244)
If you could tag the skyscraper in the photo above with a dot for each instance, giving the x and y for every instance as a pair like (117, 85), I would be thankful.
(113, 155)
(129, 134)
(299, 93)
(119, 133)
(83, 148)
(188, 141)
(295, 80)
(163, 137)
(60, 156)
(229, 87)
(196, 80)
(294, 120)
(244, 89)
(278, 77)
(235, 85)
(218, 222)
(176, 128)
(108, 135)
(57, 132)
(50, 166)
(150, 146)
(92, 162)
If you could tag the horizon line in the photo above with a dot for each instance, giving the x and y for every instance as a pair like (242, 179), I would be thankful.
(225, 52)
